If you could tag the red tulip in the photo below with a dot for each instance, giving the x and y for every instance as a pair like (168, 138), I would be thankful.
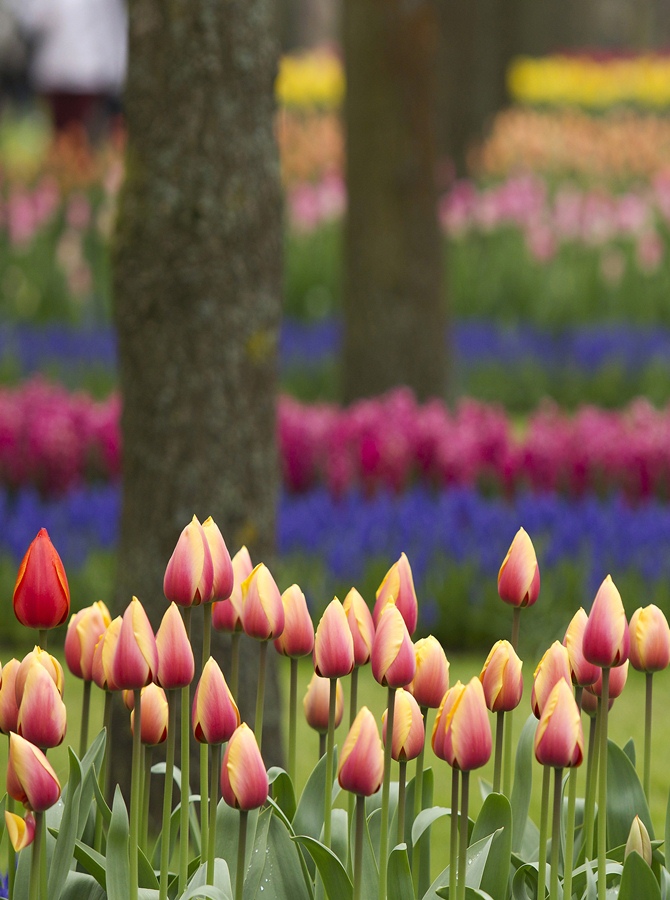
(135, 661)
(227, 614)
(393, 660)
(215, 714)
(154, 717)
(30, 777)
(42, 716)
(244, 780)
(519, 575)
(582, 672)
(466, 733)
(397, 587)
(408, 727)
(316, 703)
(559, 741)
(361, 766)
(176, 666)
(83, 633)
(297, 638)
(21, 832)
(431, 678)
(649, 640)
(502, 678)
(9, 708)
(606, 640)
(361, 626)
(41, 592)
(333, 643)
(189, 575)
(262, 609)
(553, 666)
(223, 576)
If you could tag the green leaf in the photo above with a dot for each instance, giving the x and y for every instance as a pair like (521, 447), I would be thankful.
(92, 861)
(117, 866)
(470, 893)
(426, 818)
(333, 874)
(90, 766)
(309, 815)
(283, 876)
(3, 806)
(227, 832)
(424, 840)
(197, 884)
(625, 797)
(339, 837)
(495, 817)
(79, 886)
(282, 790)
(666, 833)
(399, 877)
(101, 803)
(629, 750)
(61, 860)
(476, 857)
(637, 880)
(524, 883)
(523, 782)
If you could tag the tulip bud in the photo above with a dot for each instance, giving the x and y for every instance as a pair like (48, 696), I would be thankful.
(154, 716)
(9, 708)
(519, 575)
(502, 678)
(553, 666)
(590, 702)
(361, 626)
(559, 741)
(361, 766)
(223, 576)
(297, 638)
(135, 661)
(606, 638)
(47, 662)
(262, 608)
(617, 682)
(103, 656)
(190, 572)
(465, 729)
(333, 643)
(316, 703)
(176, 666)
(408, 728)
(649, 640)
(244, 780)
(397, 587)
(227, 614)
(638, 841)
(30, 777)
(215, 714)
(582, 672)
(42, 716)
(393, 660)
(21, 832)
(41, 592)
(441, 718)
(83, 633)
(431, 678)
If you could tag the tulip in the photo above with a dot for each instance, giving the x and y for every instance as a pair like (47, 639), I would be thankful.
(83, 633)
(32, 781)
(42, 716)
(559, 741)
(21, 832)
(361, 626)
(227, 614)
(393, 659)
(502, 678)
(606, 640)
(582, 672)
(244, 780)
(189, 574)
(431, 676)
(397, 587)
(154, 718)
(440, 723)
(262, 610)
(617, 682)
(333, 643)
(467, 732)
(519, 575)
(9, 709)
(41, 592)
(47, 662)
(297, 638)
(553, 666)
(103, 656)
(638, 841)
(135, 661)
(215, 714)
(362, 760)
(223, 576)
(649, 640)
(316, 702)
(176, 666)
(408, 730)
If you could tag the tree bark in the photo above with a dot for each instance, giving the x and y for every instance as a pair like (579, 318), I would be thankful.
(197, 293)
(393, 302)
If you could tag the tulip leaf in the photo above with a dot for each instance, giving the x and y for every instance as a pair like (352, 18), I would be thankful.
(495, 817)
(476, 857)
(625, 799)
(399, 879)
(91, 764)
(637, 880)
(470, 893)
(117, 866)
(92, 861)
(584, 874)
(666, 833)
(339, 837)
(309, 815)
(80, 886)
(198, 884)
(227, 831)
(374, 820)
(284, 876)
(336, 882)
(255, 855)
(524, 883)
(426, 818)
(282, 790)
(172, 837)
(101, 803)
(424, 841)
(61, 860)
(523, 781)
(629, 750)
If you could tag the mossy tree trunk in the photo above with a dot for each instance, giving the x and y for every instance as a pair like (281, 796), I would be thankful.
(197, 295)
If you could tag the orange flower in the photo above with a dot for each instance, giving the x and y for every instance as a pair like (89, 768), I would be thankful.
(519, 575)
(41, 592)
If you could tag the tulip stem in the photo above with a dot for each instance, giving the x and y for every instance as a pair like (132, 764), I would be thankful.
(42, 638)
(330, 749)
(556, 833)
(148, 759)
(322, 744)
(353, 704)
(590, 788)
(11, 855)
(602, 788)
(402, 777)
(85, 709)
(184, 761)
(235, 662)
(649, 681)
(570, 822)
(293, 720)
(358, 848)
(167, 793)
(386, 789)
(103, 774)
(35, 859)
(516, 622)
(497, 765)
(241, 855)
(135, 795)
(204, 754)
(418, 800)
(215, 774)
(463, 846)
(453, 844)
(260, 694)
(544, 817)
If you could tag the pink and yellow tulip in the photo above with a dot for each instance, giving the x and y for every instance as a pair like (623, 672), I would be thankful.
(333, 643)
(215, 715)
(361, 765)
(519, 575)
(176, 666)
(397, 587)
(30, 778)
(393, 659)
(431, 676)
(606, 639)
(244, 780)
(649, 640)
(297, 638)
(189, 574)
(135, 661)
(559, 740)
(502, 678)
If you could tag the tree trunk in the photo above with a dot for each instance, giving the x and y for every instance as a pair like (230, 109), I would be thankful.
(393, 302)
(197, 264)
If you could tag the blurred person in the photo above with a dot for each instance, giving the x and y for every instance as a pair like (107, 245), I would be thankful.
(77, 64)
